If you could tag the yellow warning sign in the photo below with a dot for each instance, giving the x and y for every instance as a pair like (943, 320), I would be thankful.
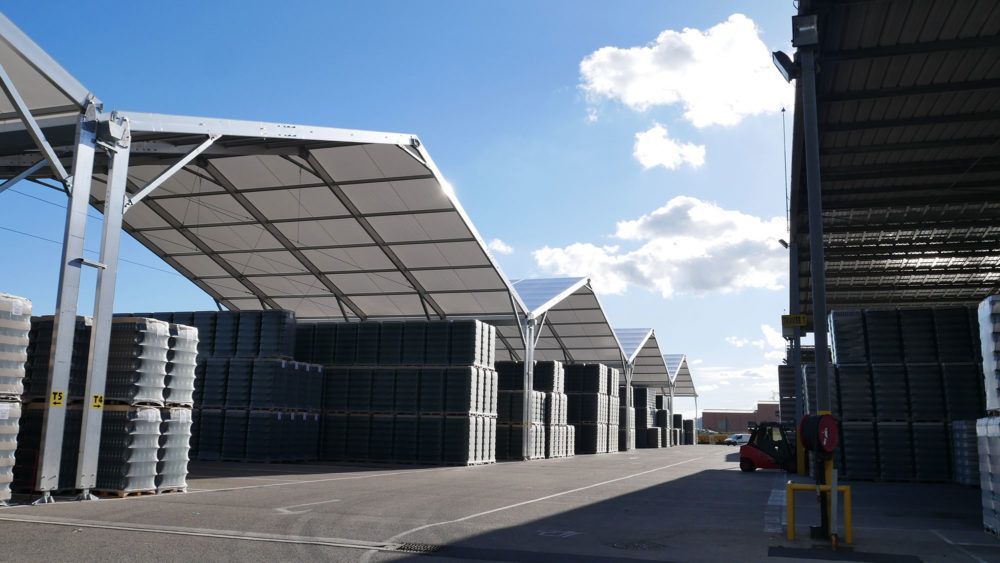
(97, 402)
(57, 399)
(794, 321)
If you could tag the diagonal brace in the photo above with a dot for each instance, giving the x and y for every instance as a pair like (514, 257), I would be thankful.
(27, 172)
(166, 174)
(32, 126)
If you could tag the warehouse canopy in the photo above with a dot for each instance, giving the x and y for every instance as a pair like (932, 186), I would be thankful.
(329, 223)
(908, 99)
(643, 352)
(680, 375)
(574, 327)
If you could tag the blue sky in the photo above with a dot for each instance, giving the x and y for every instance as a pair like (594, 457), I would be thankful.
(541, 155)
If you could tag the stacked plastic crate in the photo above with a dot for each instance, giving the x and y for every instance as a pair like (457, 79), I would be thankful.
(134, 397)
(626, 438)
(614, 413)
(964, 453)
(663, 420)
(252, 402)
(176, 416)
(406, 392)
(588, 397)
(988, 439)
(551, 406)
(901, 377)
(15, 324)
(647, 434)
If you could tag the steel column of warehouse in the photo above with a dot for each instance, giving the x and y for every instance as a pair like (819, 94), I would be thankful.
(681, 382)
(116, 142)
(644, 365)
(35, 86)
(562, 320)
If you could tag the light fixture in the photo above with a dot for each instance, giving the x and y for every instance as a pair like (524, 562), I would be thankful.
(783, 242)
(785, 65)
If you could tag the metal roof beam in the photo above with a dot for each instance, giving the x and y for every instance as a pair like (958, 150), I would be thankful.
(301, 219)
(912, 121)
(916, 90)
(301, 186)
(207, 251)
(927, 223)
(911, 169)
(913, 146)
(936, 46)
(319, 171)
(223, 181)
(324, 246)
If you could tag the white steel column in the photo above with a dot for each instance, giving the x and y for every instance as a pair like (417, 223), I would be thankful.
(670, 405)
(628, 403)
(63, 331)
(528, 329)
(100, 339)
(694, 422)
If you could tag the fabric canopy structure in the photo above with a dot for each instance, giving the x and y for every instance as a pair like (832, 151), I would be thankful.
(643, 353)
(325, 222)
(573, 327)
(680, 375)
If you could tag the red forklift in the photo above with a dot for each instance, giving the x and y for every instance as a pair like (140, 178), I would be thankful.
(771, 446)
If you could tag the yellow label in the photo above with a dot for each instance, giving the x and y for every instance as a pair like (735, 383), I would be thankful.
(57, 399)
(794, 321)
(97, 402)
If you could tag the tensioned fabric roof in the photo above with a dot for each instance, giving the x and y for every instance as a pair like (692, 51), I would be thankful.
(680, 375)
(329, 223)
(575, 327)
(641, 348)
(44, 85)
(909, 108)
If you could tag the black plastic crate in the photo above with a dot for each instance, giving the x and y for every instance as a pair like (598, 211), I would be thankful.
(859, 450)
(238, 383)
(380, 438)
(854, 392)
(414, 343)
(926, 391)
(407, 390)
(390, 350)
(432, 389)
(917, 330)
(931, 451)
(953, 332)
(234, 435)
(325, 348)
(360, 390)
(335, 389)
(210, 434)
(346, 350)
(885, 345)
(226, 330)
(847, 337)
(358, 432)
(548, 376)
(438, 347)
(383, 390)
(277, 334)
(430, 438)
(405, 438)
(510, 376)
(333, 439)
(214, 382)
(963, 390)
(891, 396)
(895, 451)
(368, 343)
(248, 334)
(461, 390)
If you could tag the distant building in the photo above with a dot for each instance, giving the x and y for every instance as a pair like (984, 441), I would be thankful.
(733, 420)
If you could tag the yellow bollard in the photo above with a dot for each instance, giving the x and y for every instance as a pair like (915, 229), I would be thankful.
(792, 488)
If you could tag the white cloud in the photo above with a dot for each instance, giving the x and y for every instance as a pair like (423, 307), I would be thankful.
(654, 147)
(719, 75)
(500, 247)
(739, 342)
(686, 246)
(591, 115)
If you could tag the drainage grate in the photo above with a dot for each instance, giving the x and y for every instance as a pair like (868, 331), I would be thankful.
(639, 545)
(419, 548)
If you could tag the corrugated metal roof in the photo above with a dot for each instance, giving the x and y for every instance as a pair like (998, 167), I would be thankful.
(909, 109)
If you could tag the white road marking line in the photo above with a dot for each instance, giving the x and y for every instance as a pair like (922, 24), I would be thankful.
(286, 509)
(263, 486)
(209, 533)
(539, 499)
(957, 546)
(775, 511)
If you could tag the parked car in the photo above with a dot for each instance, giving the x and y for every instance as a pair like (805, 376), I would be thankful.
(737, 440)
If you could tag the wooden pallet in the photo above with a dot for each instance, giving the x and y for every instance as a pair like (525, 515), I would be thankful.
(171, 490)
(122, 494)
